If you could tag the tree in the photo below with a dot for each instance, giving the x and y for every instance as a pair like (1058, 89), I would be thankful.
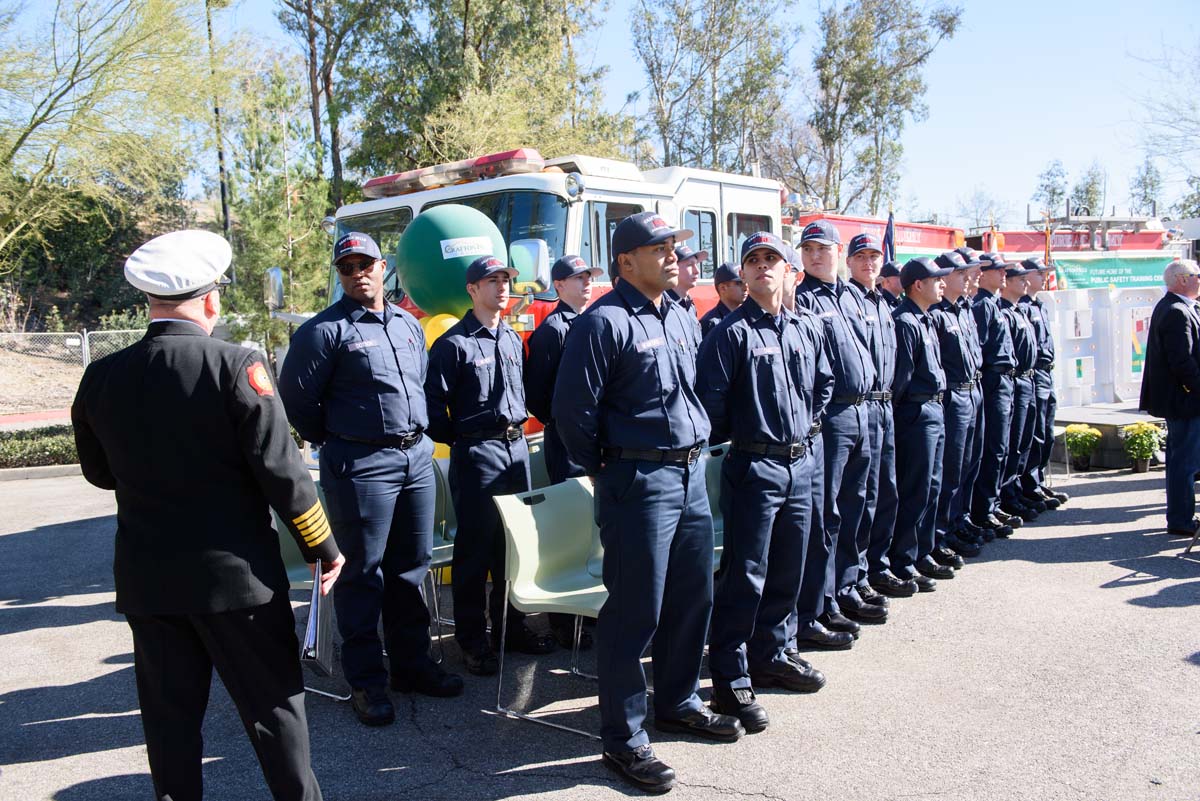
(1088, 194)
(981, 208)
(1171, 108)
(1145, 188)
(1052, 188)
(868, 70)
(1188, 206)
(712, 87)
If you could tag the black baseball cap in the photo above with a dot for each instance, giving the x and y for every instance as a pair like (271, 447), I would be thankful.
(684, 252)
(822, 232)
(763, 239)
(484, 266)
(641, 229)
(969, 255)
(951, 260)
(861, 242)
(792, 258)
(726, 272)
(570, 266)
(890, 270)
(355, 242)
(1014, 270)
(992, 261)
(918, 269)
(1035, 265)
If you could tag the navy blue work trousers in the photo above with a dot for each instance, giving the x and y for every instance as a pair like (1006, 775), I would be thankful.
(961, 411)
(1034, 475)
(479, 470)
(846, 432)
(920, 440)
(882, 499)
(1020, 436)
(656, 529)
(766, 505)
(971, 464)
(380, 505)
(1183, 462)
(997, 416)
(811, 598)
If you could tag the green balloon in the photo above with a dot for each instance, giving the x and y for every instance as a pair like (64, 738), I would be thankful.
(434, 252)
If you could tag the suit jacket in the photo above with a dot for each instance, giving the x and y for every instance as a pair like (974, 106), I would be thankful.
(1171, 377)
(188, 431)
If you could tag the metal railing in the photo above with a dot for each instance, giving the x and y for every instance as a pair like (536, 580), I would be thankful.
(69, 347)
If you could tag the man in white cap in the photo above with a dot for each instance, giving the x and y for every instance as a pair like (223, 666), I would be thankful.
(188, 431)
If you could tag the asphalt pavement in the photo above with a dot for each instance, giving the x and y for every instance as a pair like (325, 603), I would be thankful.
(1061, 664)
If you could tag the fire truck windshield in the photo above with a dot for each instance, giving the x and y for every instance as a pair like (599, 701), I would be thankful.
(519, 214)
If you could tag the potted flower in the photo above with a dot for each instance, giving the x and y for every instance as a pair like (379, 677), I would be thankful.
(1082, 440)
(1142, 440)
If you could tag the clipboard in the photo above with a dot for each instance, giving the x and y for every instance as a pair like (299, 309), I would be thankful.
(316, 652)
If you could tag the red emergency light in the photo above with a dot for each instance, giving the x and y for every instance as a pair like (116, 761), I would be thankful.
(509, 162)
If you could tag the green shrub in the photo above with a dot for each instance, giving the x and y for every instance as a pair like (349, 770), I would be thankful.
(37, 447)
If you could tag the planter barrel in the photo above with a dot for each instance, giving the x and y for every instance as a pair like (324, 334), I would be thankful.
(1081, 461)
(1141, 465)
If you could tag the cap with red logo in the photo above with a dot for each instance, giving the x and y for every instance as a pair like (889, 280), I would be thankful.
(764, 239)
(570, 266)
(822, 232)
(484, 266)
(642, 229)
(861, 242)
(355, 243)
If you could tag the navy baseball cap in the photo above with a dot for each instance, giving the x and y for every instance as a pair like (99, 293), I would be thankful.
(641, 229)
(950, 260)
(1014, 270)
(763, 239)
(890, 270)
(726, 272)
(822, 232)
(992, 261)
(484, 266)
(969, 256)
(1036, 266)
(861, 242)
(792, 258)
(684, 252)
(355, 242)
(570, 266)
(918, 269)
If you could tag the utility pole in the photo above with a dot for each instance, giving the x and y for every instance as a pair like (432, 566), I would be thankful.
(224, 179)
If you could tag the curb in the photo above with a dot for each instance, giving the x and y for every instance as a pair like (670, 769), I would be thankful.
(47, 471)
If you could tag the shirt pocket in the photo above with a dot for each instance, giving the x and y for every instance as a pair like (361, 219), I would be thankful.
(361, 359)
(483, 373)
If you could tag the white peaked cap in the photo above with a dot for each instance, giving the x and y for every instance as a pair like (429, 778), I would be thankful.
(179, 265)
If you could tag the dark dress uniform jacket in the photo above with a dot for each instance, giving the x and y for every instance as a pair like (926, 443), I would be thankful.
(1171, 382)
(188, 431)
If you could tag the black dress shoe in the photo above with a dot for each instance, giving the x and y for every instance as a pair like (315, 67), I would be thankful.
(890, 584)
(817, 636)
(428, 679)
(869, 595)
(480, 660)
(372, 705)
(836, 621)
(740, 703)
(796, 675)
(525, 640)
(962, 547)
(871, 614)
(793, 655)
(1180, 532)
(1061, 497)
(1015, 521)
(991, 526)
(1019, 510)
(947, 557)
(924, 583)
(703, 723)
(641, 768)
(926, 566)
(1038, 496)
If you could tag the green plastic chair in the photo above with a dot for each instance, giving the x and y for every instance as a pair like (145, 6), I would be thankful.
(549, 542)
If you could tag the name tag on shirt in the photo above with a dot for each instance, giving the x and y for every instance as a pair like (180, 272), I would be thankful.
(366, 343)
(766, 351)
(650, 343)
(952, 328)
(484, 360)
(827, 315)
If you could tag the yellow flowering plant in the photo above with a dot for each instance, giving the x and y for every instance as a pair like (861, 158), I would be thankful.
(1082, 439)
(1142, 440)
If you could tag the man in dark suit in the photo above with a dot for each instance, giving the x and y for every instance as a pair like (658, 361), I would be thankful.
(1171, 388)
(188, 431)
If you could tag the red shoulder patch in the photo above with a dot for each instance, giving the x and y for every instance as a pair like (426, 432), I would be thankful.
(260, 379)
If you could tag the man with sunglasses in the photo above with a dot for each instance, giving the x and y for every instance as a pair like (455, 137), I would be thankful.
(353, 382)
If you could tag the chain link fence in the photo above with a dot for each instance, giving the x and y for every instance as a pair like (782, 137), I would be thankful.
(40, 371)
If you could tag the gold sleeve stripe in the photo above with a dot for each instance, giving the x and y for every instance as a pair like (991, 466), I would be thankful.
(316, 535)
(313, 523)
(312, 510)
(319, 540)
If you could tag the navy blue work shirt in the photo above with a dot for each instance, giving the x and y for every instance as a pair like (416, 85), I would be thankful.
(882, 330)
(474, 387)
(628, 379)
(891, 300)
(918, 357)
(355, 372)
(764, 379)
(958, 339)
(541, 362)
(712, 318)
(1041, 326)
(1024, 338)
(995, 337)
(841, 311)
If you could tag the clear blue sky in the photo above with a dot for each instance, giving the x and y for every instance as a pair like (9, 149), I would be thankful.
(1023, 82)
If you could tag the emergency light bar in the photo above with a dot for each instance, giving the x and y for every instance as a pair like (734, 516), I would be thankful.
(510, 162)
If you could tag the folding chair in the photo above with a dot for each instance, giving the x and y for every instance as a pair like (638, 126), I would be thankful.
(539, 475)
(445, 525)
(713, 459)
(548, 536)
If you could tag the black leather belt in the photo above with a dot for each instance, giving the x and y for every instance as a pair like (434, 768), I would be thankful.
(937, 396)
(1008, 371)
(401, 441)
(510, 434)
(1025, 374)
(849, 400)
(1046, 367)
(964, 386)
(790, 452)
(885, 396)
(682, 456)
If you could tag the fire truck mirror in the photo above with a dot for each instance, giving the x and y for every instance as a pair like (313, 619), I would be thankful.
(273, 289)
(531, 259)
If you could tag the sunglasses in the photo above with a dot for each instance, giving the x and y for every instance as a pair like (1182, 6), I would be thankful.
(350, 268)
(222, 284)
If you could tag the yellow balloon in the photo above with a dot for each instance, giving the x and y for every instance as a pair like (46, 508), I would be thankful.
(435, 326)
